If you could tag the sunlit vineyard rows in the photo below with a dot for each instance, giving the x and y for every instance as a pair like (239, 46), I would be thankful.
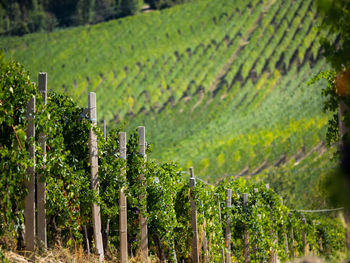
(220, 84)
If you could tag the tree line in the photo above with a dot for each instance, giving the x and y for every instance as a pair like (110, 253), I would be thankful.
(19, 17)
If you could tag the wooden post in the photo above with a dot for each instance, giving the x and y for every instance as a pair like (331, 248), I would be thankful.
(143, 220)
(195, 250)
(29, 202)
(41, 186)
(320, 244)
(96, 214)
(228, 226)
(87, 240)
(123, 205)
(303, 234)
(246, 233)
(291, 245)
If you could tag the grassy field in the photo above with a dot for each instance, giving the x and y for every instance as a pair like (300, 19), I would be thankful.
(219, 84)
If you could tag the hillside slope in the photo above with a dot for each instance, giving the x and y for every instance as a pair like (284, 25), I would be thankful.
(219, 84)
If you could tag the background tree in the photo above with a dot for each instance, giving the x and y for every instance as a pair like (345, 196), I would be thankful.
(336, 44)
(159, 4)
(130, 7)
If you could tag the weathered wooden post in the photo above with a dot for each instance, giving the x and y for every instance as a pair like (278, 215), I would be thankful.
(86, 240)
(29, 202)
(228, 226)
(41, 186)
(195, 250)
(96, 214)
(123, 205)
(143, 220)
(246, 233)
(303, 234)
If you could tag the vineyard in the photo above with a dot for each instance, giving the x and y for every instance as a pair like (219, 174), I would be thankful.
(221, 86)
(205, 77)
(235, 220)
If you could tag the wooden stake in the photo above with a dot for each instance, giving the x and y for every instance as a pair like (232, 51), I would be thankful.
(123, 205)
(228, 226)
(143, 220)
(246, 233)
(41, 186)
(87, 240)
(29, 202)
(96, 214)
(195, 249)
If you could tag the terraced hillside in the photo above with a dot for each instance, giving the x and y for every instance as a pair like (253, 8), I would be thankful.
(219, 84)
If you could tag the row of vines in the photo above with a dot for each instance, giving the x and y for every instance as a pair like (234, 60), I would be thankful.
(66, 171)
(198, 66)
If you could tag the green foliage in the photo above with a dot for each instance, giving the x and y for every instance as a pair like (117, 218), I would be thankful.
(157, 190)
(159, 4)
(335, 24)
(292, 184)
(330, 104)
(19, 18)
(66, 165)
(205, 77)
(337, 17)
(131, 7)
(15, 92)
(265, 218)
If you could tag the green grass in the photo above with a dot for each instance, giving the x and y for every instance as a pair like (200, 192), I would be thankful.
(219, 84)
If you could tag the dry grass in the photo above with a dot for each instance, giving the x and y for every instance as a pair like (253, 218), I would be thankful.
(63, 255)
(137, 259)
(56, 255)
